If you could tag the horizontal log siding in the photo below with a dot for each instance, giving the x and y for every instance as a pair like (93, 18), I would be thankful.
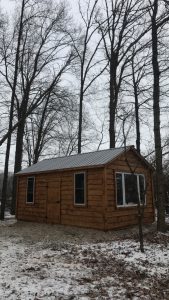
(91, 215)
(100, 211)
(120, 217)
(32, 211)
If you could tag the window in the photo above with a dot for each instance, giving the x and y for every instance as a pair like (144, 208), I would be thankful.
(130, 189)
(30, 190)
(79, 188)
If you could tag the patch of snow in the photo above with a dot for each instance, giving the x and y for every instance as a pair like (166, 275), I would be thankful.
(49, 269)
(167, 219)
(9, 220)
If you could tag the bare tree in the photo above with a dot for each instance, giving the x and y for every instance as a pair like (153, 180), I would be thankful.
(48, 50)
(137, 92)
(140, 194)
(156, 25)
(87, 47)
(43, 53)
(120, 30)
(13, 86)
(52, 125)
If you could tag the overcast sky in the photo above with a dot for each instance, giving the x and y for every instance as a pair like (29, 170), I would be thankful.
(8, 5)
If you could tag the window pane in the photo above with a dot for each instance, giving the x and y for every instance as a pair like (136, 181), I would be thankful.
(119, 189)
(79, 194)
(142, 188)
(131, 192)
(30, 197)
(79, 178)
(30, 184)
(79, 188)
(30, 190)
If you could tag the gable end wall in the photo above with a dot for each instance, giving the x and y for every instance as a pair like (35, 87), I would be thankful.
(120, 217)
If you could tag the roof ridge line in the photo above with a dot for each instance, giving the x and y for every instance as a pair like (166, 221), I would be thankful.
(87, 152)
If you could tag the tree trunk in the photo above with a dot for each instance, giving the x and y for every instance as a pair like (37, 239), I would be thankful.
(37, 150)
(113, 102)
(80, 117)
(18, 163)
(5, 179)
(157, 134)
(19, 148)
(140, 209)
(136, 103)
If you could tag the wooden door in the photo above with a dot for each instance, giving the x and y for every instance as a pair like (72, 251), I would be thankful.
(53, 202)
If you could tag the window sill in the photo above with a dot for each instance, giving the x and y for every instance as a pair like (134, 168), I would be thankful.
(130, 206)
(80, 205)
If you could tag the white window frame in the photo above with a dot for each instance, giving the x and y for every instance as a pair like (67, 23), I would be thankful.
(80, 204)
(123, 189)
(28, 202)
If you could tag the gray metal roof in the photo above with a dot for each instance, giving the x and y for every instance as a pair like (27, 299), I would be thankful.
(89, 159)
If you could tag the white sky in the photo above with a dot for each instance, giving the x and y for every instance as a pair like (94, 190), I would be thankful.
(8, 6)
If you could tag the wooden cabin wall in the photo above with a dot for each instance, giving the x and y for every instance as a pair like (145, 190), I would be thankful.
(54, 197)
(33, 211)
(90, 216)
(120, 217)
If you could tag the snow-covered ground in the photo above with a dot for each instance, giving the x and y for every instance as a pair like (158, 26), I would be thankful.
(40, 261)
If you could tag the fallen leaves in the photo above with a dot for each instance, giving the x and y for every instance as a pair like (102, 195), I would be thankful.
(54, 267)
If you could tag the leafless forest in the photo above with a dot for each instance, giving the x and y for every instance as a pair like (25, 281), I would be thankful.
(74, 82)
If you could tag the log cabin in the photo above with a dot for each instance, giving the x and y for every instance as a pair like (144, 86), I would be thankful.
(98, 190)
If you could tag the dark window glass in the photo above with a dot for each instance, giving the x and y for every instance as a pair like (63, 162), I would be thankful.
(131, 191)
(79, 196)
(30, 190)
(79, 188)
(119, 189)
(79, 181)
(142, 188)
